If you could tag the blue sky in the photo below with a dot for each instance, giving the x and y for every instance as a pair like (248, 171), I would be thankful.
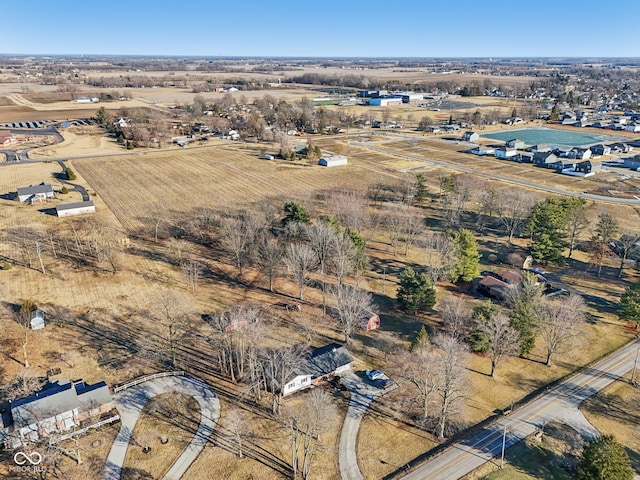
(426, 28)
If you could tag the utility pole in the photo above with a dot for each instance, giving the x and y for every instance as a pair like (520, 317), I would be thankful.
(635, 366)
(504, 444)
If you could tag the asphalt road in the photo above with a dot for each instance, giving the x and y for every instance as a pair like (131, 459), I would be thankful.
(558, 404)
(130, 403)
(494, 176)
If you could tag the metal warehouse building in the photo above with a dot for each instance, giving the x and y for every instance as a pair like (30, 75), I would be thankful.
(385, 101)
(334, 161)
(78, 208)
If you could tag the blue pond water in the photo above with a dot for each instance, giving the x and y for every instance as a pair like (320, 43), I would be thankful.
(551, 137)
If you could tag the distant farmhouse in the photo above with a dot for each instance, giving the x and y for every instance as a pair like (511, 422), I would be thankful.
(6, 138)
(35, 193)
(77, 208)
(58, 408)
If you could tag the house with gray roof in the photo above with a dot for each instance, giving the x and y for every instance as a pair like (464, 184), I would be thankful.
(319, 365)
(58, 407)
(544, 159)
(35, 193)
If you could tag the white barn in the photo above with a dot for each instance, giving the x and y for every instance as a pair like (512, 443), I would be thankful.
(334, 161)
(78, 208)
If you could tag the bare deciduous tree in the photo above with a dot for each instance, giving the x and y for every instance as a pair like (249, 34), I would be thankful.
(173, 314)
(440, 255)
(300, 260)
(192, 271)
(559, 323)
(268, 257)
(450, 368)
(353, 306)
(514, 208)
(456, 316)
(306, 424)
(503, 340)
(626, 245)
(321, 238)
(344, 257)
(278, 364)
(417, 368)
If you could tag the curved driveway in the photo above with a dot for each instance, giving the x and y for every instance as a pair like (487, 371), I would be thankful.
(362, 394)
(130, 403)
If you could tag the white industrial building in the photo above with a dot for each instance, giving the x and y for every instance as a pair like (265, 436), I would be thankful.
(334, 161)
(385, 101)
(78, 208)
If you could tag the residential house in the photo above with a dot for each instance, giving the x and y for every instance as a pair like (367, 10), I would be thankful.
(482, 150)
(633, 127)
(6, 138)
(600, 150)
(588, 167)
(580, 153)
(505, 152)
(451, 128)
(561, 164)
(543, 159)
(35, 193)
(121, 123)
(620, 148)
(521, 158)
(540, 148)
(58, 407)
(470, 137)
(514, 143)
(633, 162)
(319, 365)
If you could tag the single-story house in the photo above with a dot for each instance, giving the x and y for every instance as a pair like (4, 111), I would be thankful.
(470, 137)
(319, 365)
(434, 129)
(57, 408)
(35, 193)
(633, 127)
(77, 208)
(600, 150)
(37, 320)
(505, 152)
(543, 159)
(333, 161)
(482, 150)
(588, 167)
(451, 128)
(514, 143)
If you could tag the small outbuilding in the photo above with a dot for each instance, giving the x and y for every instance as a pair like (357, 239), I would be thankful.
(77, 208)
(333, 161)
(37, 320)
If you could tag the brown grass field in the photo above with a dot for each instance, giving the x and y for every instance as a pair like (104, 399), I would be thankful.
(99, 314)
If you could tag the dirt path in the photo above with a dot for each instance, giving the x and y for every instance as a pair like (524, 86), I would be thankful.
(130, 403)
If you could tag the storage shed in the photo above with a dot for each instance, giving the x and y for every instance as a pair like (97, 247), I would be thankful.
(78, 208)
(334, 161)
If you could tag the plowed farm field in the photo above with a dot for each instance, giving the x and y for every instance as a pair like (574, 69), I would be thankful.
(177, 183)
